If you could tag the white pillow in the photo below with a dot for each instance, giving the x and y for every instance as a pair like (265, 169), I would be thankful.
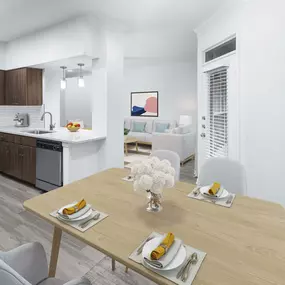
(182, 130)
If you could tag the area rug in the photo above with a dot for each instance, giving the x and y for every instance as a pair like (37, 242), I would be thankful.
(101, 274)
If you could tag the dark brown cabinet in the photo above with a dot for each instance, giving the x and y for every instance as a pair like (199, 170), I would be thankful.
(23, 86)
(2, 87)
(6, 158)
(15, 168)
(18, 157)
(28, 164)
(1, 156)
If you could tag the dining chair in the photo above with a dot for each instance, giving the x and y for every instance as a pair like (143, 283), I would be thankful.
(27, 265)
(172, 157)
(229, 173)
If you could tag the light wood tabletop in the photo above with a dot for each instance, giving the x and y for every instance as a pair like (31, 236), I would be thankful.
(245, 244)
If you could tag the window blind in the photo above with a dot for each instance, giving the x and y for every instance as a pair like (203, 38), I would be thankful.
(217, 129)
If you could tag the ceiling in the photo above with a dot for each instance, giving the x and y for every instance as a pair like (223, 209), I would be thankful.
(22, 17)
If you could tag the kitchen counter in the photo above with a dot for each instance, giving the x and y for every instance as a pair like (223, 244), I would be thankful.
(60, 134)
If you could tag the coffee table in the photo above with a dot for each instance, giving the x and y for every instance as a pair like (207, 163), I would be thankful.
(129, 140)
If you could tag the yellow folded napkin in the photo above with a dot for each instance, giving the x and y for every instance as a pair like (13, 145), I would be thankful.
(71, 210)
(157, 253)
(214, 188)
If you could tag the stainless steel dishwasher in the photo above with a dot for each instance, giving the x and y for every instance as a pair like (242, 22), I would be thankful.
(49, 165)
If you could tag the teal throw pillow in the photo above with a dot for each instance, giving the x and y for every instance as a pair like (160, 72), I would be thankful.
(139, 127)
(161, 128)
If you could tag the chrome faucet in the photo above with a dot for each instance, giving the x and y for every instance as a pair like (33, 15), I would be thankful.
(51, 126)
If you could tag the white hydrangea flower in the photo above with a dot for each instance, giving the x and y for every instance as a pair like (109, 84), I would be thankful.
(153, 175)
(171, 171)
(158, 177)
(154, 161)
(146, 182)
(169, 181)
(157, 188)
(137, 185)
(134, 169)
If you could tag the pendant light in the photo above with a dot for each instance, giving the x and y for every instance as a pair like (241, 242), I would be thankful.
(80, 79)
(63, 80)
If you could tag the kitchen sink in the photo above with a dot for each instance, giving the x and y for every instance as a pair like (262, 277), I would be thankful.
(38, 132)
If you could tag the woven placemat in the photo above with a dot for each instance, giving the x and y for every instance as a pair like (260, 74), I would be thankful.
(171, 274)
(77, 223)
(196, 194)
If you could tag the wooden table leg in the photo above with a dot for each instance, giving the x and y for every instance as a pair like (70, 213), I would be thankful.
(113, 264)
(54, 251)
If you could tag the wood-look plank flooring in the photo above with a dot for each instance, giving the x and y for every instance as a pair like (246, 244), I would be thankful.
(75, 259)
(18, 227)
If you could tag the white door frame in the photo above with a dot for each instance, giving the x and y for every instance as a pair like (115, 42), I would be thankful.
(230, 61)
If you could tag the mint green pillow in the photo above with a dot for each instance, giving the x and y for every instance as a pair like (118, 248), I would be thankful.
(161, 128)
(139, 127)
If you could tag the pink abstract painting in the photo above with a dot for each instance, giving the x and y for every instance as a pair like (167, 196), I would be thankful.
(144, 104)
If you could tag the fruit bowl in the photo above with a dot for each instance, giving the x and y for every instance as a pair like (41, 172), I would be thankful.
(73, 127)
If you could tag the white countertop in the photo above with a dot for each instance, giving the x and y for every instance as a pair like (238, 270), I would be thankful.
(60, 134)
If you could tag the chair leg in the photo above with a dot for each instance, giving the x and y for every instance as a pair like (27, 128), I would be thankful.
(126, 269)
(113, 264)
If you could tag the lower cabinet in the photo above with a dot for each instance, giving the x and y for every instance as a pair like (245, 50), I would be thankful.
(18, 160)
(15, 161)
(28, 164)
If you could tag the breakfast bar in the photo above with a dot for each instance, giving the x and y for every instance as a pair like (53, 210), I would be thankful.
(244, 243)
(80, 150)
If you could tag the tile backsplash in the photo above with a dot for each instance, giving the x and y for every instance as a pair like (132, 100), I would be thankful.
(7, 114)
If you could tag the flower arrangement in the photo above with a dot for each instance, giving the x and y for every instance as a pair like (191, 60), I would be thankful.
(152, 176)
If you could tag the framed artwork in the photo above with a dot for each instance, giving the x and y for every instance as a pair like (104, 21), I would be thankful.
(144, 104)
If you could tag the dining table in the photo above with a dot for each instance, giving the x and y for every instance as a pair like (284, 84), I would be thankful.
(245, 244)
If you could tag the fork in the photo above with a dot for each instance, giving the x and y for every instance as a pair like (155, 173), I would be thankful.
(196, 192)
(230, 199)
(140, 249)
(85, 224)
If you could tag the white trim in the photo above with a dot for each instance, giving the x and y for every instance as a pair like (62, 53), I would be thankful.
(227, 39)
(218, 58)
(218, 44)
(233, 105)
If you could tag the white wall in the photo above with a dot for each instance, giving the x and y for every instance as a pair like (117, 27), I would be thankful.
(77, 102)
(69, 39)
(2, 55)
(108, 116)
(259, 27)
(175, 80)
(161, 43)
(52, 98)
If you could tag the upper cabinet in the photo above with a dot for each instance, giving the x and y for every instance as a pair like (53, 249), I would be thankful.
(23, 87)
(2, 87)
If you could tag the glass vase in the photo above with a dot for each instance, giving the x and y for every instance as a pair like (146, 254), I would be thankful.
(154, 202)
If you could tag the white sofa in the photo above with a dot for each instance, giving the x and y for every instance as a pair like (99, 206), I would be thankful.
(181, 140)
(183, 144)
(150, 127)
